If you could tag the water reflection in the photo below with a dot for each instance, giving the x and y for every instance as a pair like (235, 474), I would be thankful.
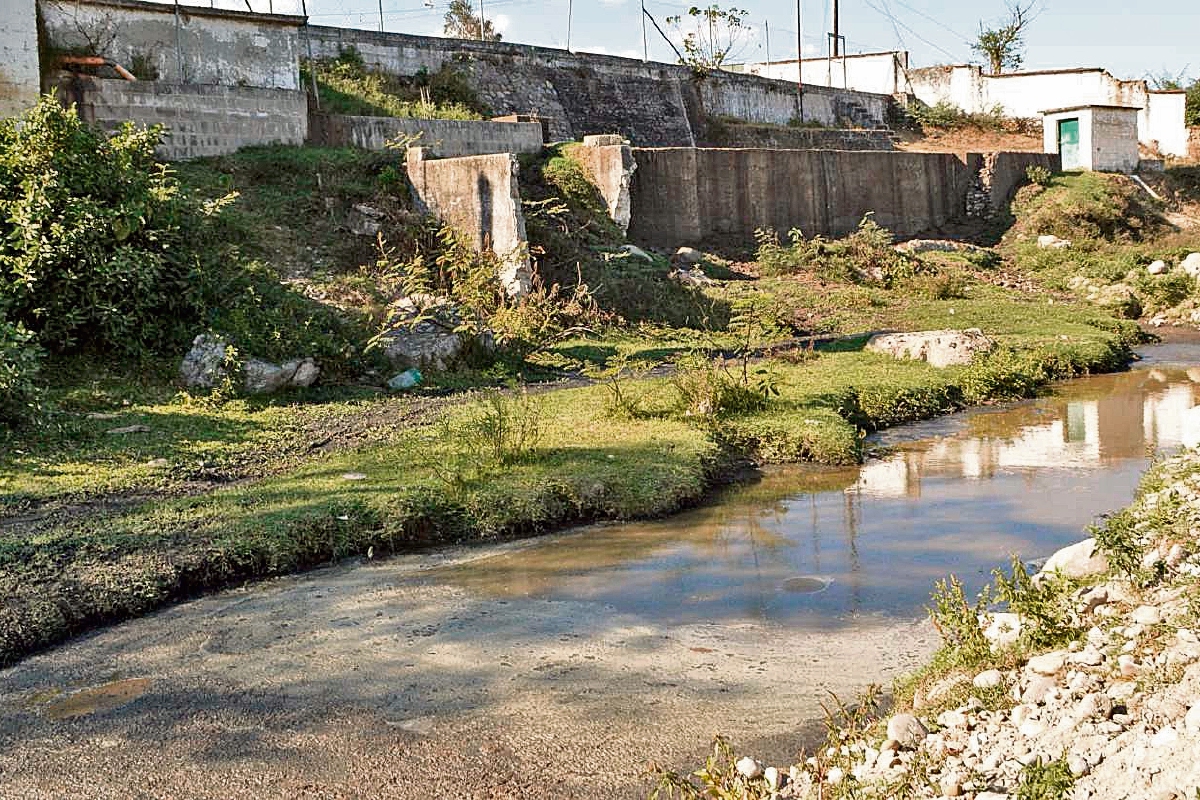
(807, 546)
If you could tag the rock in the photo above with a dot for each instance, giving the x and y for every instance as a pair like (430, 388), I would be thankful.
(263, 377)
(1052, 242)
(1128, 665)
(158, 463)
(1191, 720)
(637, 252)
(906, 729)
(748, 768)
(203, 366)
(1003, 629)
(1048, 663)
(1038, 690)
(1076, 561)
(1191, 264)
(917, 246)
(952, 719)
(1087, 657)
(353, 476)
(691, 277)
(688, 255)
(1165, 737)
(1157, 267)
(1119, 299)
(1093, 598)
(129, 429)
(774, 778)
(938, 348)
(424, 332)
(1032, 728)
(365, 220)
(835, 776)
(1078, 766)
(1147, 615)
(951, 785)
(989, 679)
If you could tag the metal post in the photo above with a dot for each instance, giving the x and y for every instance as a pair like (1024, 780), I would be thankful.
(836, 50)
(381, 16)
(767, 28)
(481, 19)
(569, 4)
(645, 41)
(179, 45)
(800, 59)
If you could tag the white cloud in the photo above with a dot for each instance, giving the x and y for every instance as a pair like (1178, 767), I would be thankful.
(500, 22)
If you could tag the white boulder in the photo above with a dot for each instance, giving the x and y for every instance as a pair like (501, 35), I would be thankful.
(938, 348)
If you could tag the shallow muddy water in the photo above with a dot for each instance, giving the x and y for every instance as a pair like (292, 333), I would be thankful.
(807, 546)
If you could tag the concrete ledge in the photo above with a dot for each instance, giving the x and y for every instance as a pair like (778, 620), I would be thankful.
(443, 137)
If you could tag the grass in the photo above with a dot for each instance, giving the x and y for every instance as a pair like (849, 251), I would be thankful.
(345, 86)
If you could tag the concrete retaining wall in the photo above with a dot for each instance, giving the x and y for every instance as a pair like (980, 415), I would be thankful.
(443, 137)
(686, 195)
(19, 71)
(200, 120)
(209, 45)
(479, 196)
(581, 94)
(1194, 143)
(719, 134)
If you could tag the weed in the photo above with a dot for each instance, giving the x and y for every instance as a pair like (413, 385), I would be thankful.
(1045, 780)
(345, 86)
(718, 779)
(504, 429)
(957, 621)
(1043, 606)
(1038, 175)
(617, 376)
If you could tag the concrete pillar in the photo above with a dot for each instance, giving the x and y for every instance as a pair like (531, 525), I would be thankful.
(20, 79)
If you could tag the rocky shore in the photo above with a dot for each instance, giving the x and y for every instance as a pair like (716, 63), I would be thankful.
(1086, 686)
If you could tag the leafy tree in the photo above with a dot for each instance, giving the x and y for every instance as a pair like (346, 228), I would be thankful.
(1004, 45)
(710, 35)
(462, 22)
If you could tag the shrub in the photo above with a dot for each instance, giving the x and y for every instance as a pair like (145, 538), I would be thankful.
(345, 86)
(20, 360)
(102, 247)
(865, 256)
(1038, 175)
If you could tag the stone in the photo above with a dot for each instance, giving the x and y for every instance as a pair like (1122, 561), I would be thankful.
(203, 366)
(1078, 766)
(1047, 663)
(835, 776)
(1038, 690)
(1087, 657)
(1157, 267)
(951, 785)
(906, 729)
(365, 220)
(688, 255)
(748, 768)
(263, 377)
(694, 277)
(988, 679)
(1165, 737)
(1147, 615)
(637, 252)
(937, 348)
(1032, 728)
(424, 332)
(1191, 720)
(1128, 665)
(129, 429)
(774, 778)
(1191, 264)
(1052, 242)
(1079, 560)
(952, 719)
(1003, 629)
(915, 247)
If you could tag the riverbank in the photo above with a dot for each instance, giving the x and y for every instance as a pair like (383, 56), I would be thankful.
(69, 568)
(1084, 686)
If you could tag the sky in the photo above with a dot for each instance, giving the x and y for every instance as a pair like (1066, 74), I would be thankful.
(1160, 38)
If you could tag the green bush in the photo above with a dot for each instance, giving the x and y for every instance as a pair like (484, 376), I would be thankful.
(346, 86)
(947, 116)
(20, 360)
(865, 256)
(100, 246)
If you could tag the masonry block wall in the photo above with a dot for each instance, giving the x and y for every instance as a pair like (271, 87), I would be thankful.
(582, 94)
(443, 137)
(19, 71)
(200, 120)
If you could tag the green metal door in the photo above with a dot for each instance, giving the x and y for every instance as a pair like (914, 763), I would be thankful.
(1068, 144)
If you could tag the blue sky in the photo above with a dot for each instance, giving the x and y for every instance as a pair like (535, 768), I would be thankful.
(1158, 37)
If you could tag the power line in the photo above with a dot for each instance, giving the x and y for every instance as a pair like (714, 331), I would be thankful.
(918, 36)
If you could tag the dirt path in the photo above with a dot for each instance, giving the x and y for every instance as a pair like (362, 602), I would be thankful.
(380, 681)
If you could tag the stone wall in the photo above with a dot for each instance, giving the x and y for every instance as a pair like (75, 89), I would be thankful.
(721, 134)
(209, 45)
(997, 176)
(19, 71)
(1194, 143)
(582, 94)
(443, 137)
(480, 197)
(687, 195)
(200, 120)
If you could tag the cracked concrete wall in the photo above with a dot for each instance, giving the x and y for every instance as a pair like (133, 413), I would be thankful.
(213, 46)
(19, 71)
(610, 164)
(445, 137)
(479, 196)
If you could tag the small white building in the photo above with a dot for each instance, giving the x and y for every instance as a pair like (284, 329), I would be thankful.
(1099, 138)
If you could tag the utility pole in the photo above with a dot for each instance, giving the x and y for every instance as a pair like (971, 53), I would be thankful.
(800, 59)
(836, 39)
(645, 41)
(767, 29)
(481, 19)
(569, 4)
(381, 16)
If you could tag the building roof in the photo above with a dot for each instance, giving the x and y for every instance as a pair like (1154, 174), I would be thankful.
(1089, 106)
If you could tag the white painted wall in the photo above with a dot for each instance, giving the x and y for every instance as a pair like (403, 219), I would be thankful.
(227, 48)
(1107, 137)
(20, 79)
(881, 73)
(1027, 94)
